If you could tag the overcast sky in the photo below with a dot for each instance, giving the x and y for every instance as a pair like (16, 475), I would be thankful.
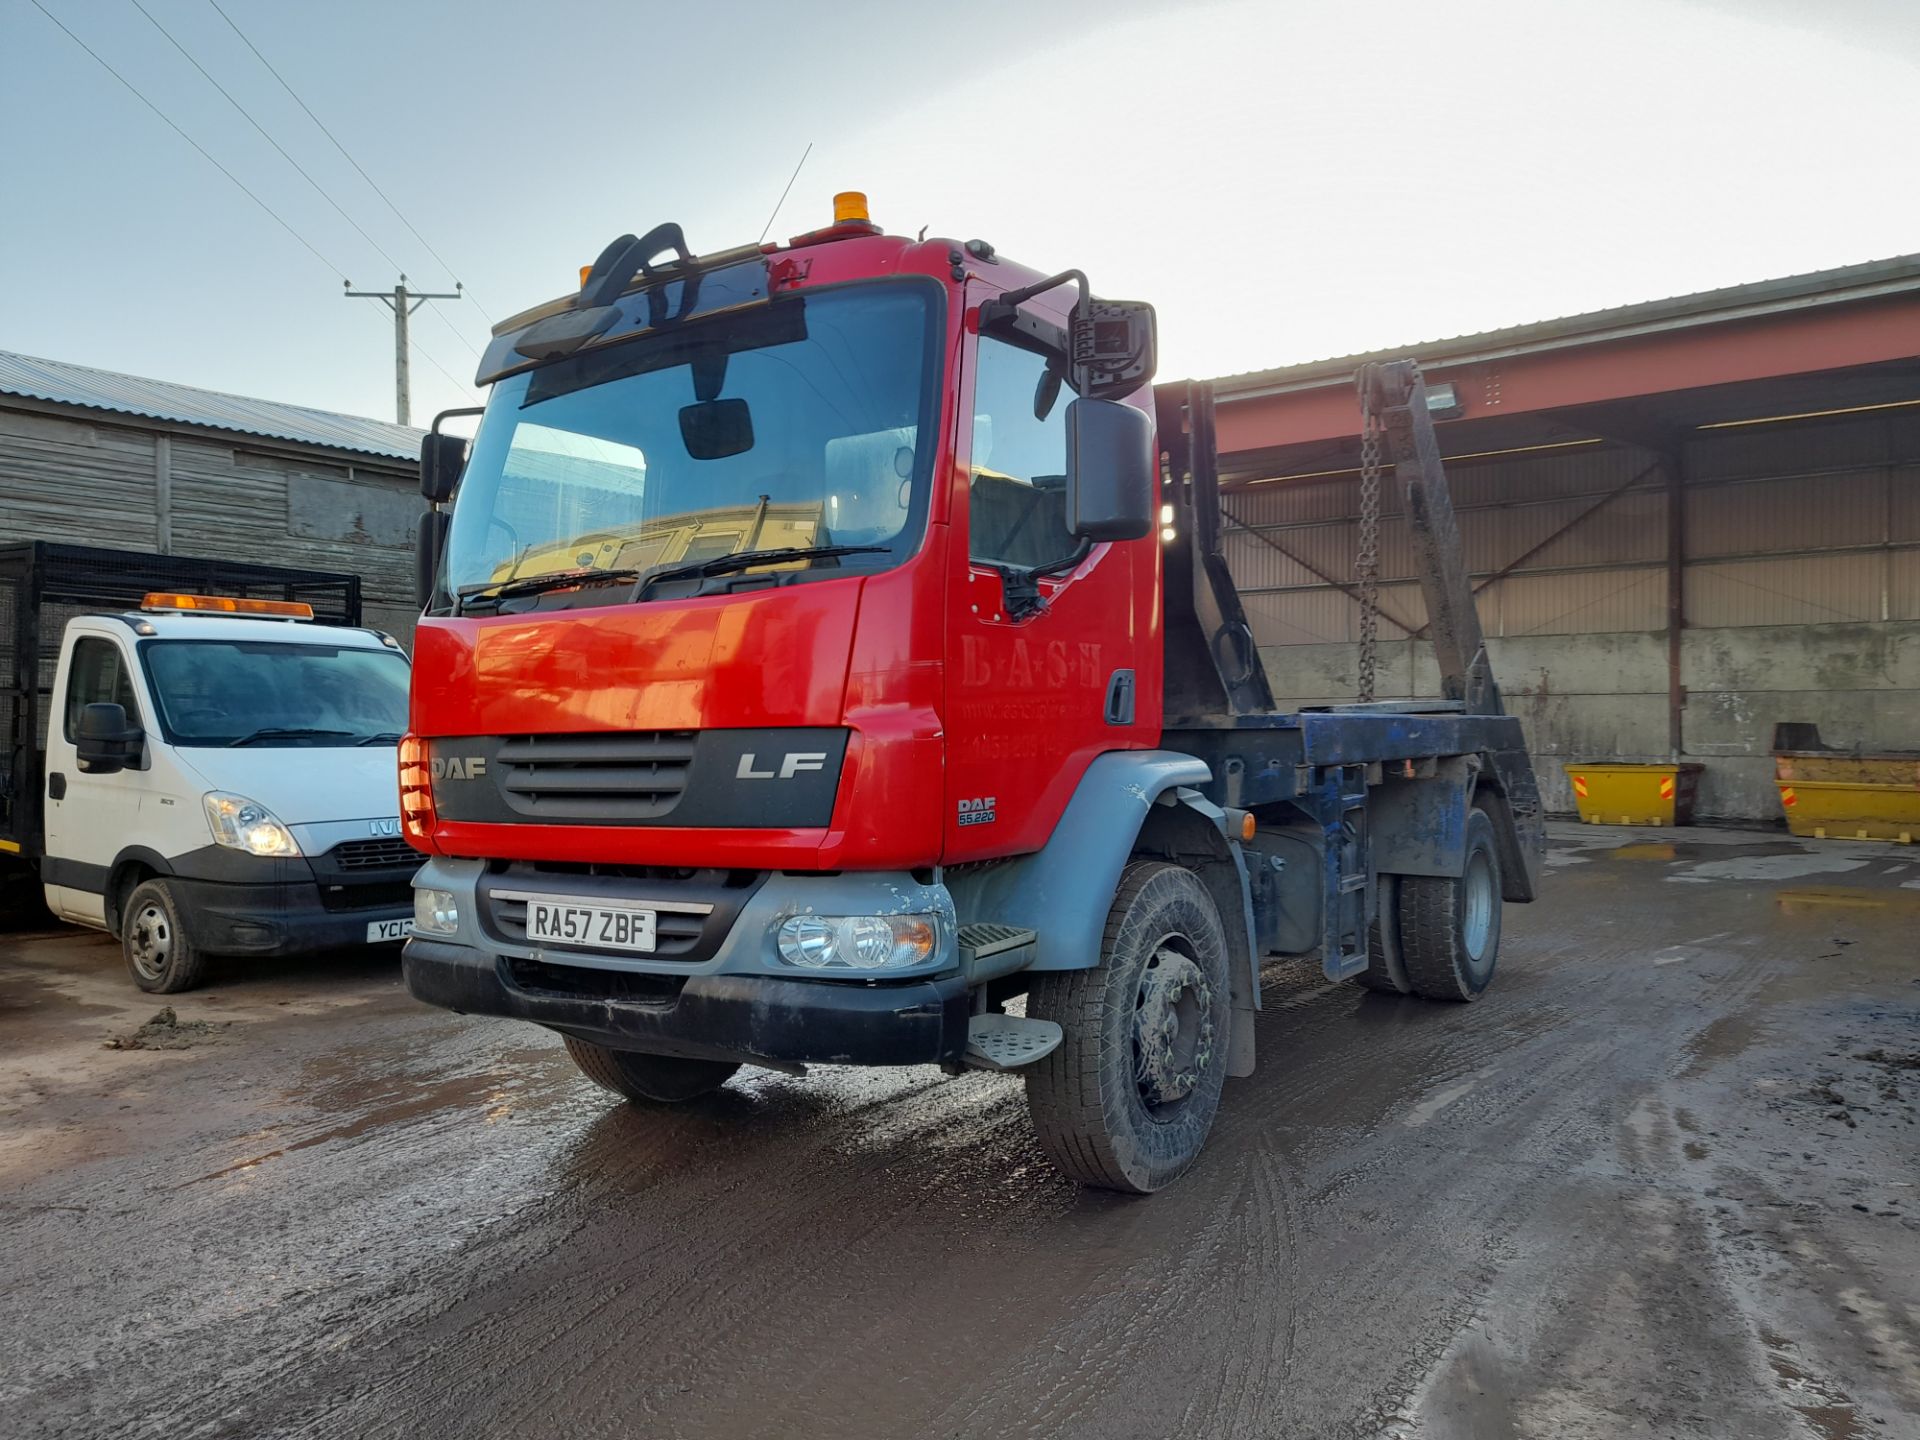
(1284, 180)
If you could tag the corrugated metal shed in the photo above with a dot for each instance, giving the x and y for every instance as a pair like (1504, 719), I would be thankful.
(62, 383)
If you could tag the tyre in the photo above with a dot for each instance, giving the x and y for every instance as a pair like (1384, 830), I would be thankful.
(1126, 1100)
(648, 1079)
(160, 957)
(1386, 969)
(1450, 928)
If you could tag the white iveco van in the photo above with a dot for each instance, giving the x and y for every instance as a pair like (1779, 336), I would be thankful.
(220, 780)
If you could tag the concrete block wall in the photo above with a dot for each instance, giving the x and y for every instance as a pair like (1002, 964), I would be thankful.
(1604, 696)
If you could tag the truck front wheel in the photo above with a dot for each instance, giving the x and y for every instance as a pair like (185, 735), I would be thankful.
(1126, 1101)
(159, 955)
(648, 1079)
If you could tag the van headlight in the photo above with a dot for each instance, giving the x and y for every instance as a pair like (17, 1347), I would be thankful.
(857, 942)
(243, 824)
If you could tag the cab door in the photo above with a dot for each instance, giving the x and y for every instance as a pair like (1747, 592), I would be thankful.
(1043, 669)
(89, 818)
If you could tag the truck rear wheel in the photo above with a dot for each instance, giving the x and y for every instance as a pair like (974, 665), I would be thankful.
(160, 957)
(1126, 1101)
(648, 1079)
(1386, 970)
(1450, 927)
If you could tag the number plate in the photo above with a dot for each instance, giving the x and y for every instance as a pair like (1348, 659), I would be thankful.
(556, 921)
(387, 930)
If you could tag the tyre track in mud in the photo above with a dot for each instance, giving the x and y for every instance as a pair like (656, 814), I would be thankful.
(1202, 1282)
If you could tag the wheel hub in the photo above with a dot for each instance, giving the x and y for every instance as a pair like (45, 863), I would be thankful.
(1172, 1028)
(152, 938)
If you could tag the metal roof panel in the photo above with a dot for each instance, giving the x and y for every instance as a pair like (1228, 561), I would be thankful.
(62, 383)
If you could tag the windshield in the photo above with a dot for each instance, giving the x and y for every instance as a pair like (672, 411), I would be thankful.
(222, 692)
(800, 423)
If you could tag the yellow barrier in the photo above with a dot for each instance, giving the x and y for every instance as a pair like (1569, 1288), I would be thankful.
(1620, 794)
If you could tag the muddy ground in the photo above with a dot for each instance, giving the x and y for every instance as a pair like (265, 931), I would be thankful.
(1661, 1182)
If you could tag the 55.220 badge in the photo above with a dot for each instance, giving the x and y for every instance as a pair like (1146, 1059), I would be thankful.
(977, 812)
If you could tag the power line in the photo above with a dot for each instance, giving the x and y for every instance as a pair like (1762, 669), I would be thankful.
(238, 183)
(348, 155)
(444, 319)
(322, 192)
(318, 189)
(134, 90)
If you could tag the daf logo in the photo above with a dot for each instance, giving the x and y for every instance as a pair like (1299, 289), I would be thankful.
(457, 767)
(791, 764)
(383, 828)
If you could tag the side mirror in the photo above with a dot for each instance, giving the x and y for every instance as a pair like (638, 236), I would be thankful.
(442, 458)
(104, 740)
(428, 546)
(1113, 346)
(1109, 471)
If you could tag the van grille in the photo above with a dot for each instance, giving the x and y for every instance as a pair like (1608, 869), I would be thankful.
(383, 854)
(633, 775)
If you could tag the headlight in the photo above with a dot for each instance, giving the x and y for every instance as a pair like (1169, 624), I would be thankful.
(243, 824)
(435, 912)
(857, 942)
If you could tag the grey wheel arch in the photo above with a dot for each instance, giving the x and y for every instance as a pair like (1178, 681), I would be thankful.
(1129, 803)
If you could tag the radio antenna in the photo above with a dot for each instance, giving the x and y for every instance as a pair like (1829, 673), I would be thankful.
(783, 194)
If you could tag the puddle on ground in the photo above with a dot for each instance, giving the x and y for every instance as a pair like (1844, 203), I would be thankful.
(1662, 851)
(1824, 1406)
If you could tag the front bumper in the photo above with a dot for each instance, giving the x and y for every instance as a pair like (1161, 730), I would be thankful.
(271, 919)
(712, 1016)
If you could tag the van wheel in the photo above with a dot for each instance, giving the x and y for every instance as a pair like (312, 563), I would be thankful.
(1450, 928)
(648, 1079)
(1126, 1100)
(160, 957)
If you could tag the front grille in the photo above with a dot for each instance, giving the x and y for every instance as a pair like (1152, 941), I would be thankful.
(385, 854)
(539, 978)
(626, 776)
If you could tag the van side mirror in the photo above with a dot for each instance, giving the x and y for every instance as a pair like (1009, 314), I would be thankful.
(442, 458)
(1109, 470)
(428, 546)
(104, 740)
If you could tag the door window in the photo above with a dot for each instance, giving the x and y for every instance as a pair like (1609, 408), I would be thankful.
(98, 675)
(1017, 491)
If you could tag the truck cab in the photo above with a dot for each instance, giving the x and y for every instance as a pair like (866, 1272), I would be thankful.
(219, 780)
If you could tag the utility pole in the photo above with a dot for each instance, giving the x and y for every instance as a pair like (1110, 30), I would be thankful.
(403, 302)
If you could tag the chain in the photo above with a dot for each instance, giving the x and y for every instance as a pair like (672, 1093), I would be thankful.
(1366, 560)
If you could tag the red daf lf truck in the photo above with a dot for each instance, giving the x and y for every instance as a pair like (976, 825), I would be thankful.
(828, 644)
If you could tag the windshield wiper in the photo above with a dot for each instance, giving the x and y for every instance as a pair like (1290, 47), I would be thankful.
(747, 559)
(540, 584)
(287, 732)
(384, 737)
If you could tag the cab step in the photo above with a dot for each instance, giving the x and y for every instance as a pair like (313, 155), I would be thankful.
(1006, 1042)
(988, 951)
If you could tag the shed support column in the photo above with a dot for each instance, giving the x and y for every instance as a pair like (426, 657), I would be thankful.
(1675, 464)
(163, 494)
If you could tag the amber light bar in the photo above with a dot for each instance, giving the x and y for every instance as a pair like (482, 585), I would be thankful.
(228, 605)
